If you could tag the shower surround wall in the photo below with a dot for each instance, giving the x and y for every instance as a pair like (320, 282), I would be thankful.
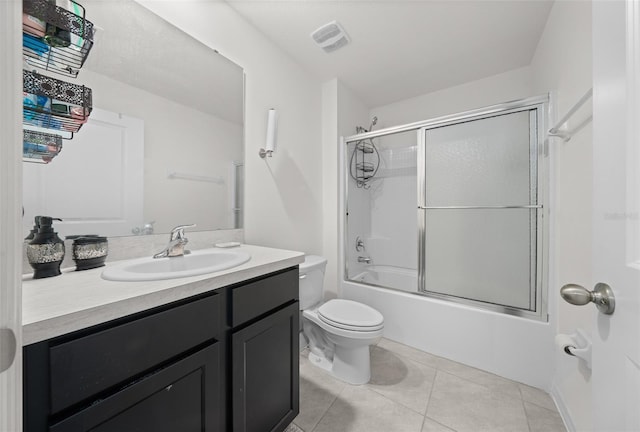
(383, 214)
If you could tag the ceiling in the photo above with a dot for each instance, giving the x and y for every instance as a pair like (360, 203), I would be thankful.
(404, 48)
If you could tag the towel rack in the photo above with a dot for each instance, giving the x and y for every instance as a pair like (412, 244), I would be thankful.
(567, 134)
(185, 176)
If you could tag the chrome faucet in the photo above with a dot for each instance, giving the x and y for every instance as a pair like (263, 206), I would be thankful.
(177, 242)
(365, 260)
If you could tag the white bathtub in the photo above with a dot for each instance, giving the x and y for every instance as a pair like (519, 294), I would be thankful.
(517, 348)
(399, 278)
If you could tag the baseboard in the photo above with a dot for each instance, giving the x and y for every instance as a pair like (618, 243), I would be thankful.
(562, 409)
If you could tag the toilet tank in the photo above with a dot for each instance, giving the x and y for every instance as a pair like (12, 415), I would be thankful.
(311, 280)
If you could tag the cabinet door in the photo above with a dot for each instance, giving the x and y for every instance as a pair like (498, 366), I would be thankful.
(184, 396)
(266, 372)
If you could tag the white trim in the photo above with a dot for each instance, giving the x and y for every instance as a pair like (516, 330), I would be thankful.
(342, 209)
(10, 207)
(556, 395)
(632, 215)
(501, 108)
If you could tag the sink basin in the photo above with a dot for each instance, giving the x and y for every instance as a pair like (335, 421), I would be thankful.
(194, 264)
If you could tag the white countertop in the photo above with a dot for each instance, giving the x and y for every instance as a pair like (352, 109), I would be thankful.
(78, 299)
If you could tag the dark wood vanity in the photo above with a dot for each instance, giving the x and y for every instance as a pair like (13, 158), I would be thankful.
(223, 360)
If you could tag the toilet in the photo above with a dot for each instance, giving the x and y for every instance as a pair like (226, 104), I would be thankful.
(339, 332)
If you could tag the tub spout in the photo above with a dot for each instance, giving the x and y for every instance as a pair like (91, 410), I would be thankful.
(365, 260)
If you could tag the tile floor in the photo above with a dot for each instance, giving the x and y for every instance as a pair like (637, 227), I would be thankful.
(412, 391)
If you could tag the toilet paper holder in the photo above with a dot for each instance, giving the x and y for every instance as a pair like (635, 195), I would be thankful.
(576, 344)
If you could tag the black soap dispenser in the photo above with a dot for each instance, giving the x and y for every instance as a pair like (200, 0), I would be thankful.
(34, 230)
(46, 251)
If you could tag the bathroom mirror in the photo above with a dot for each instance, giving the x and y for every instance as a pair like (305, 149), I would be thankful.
(164, 143)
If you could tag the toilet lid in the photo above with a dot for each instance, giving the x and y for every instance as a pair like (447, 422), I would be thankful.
(350, 315)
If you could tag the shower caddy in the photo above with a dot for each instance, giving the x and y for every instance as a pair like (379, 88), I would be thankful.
(365, 159)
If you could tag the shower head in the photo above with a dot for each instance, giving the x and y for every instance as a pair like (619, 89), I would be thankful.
(360, 129)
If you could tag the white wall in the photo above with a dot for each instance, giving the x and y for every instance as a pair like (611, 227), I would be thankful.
(563, 63)
(504, 87)
(352, 113)
(330, 213)
(342, 112)
(283, 198)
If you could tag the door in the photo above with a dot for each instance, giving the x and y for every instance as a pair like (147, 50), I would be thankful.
(109, 154)
(616, 234)
(10, 212)
(482, 210)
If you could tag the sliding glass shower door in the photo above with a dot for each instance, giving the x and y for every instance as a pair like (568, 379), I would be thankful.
(451, 208)
(479, 210)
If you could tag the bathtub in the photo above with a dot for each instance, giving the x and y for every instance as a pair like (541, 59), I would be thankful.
(513, 347)
(399, 278)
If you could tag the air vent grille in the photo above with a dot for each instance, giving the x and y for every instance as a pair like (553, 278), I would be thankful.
(330, 37)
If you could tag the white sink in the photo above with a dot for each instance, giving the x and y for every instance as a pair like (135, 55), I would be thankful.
(194, 264)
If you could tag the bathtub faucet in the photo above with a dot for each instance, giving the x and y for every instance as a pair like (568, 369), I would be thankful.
(365, 260)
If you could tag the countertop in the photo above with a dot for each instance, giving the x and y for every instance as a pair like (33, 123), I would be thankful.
(79, 299)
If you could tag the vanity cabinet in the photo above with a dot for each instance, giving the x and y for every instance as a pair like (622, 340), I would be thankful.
(222, 360)
(265, 354)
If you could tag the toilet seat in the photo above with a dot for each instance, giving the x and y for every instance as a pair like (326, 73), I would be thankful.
(350, 315)
(361, 333)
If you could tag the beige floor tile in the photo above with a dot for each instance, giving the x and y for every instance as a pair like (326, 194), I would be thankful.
(433, 426)
(318, 390)
(400, 379)
(293, 428)
(543, 420)
(406, 383)
(489, 380)
(359, 409)
(478, 376)
(470, 407)
(409, 352)
(538, 397)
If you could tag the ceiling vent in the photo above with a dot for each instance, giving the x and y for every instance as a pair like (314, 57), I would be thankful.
(330, 37)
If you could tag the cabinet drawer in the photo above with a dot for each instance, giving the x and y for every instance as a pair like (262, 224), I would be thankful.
(170, 400)
(256, 298)
(93, 363)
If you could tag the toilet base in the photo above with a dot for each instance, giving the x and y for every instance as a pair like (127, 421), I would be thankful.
(352, 365)
(303, 341)
(320, 361)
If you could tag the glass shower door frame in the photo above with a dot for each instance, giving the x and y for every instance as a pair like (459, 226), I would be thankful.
(541, 106)
(538, 108)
